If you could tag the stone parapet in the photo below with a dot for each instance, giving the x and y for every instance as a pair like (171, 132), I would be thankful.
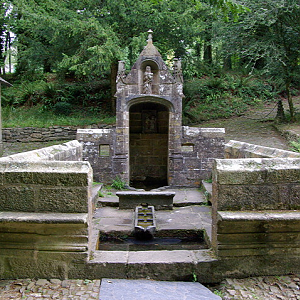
(70, 151)
(236, 149)
(255, 212)
(199, 148)
(256, 184)
(45, 186)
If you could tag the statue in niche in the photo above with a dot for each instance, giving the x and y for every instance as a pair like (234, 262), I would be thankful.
(147, 81)
(149, 121)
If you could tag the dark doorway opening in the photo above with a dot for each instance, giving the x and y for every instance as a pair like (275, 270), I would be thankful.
(148, 145)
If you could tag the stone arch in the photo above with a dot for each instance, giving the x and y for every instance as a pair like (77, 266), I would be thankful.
(148, 142)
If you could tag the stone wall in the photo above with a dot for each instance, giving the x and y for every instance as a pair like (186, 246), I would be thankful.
(45, 213)
(236, 149)
(200, 147)
(98, 149)
(256, 218)
(148, 156)
(32, 134)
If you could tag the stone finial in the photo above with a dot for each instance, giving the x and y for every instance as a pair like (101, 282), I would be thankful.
(177, 71)
(150, 36)
(121, 71)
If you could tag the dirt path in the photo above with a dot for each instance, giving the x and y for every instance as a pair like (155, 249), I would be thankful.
(254, 127)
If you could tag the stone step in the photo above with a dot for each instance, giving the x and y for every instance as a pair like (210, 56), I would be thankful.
(183, 197)
(207, 190)
(153, 290)
(174, 265)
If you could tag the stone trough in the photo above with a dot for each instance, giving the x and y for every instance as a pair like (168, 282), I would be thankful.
(160, 200)
(144, 222)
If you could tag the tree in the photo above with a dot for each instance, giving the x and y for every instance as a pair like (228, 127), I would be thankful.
(268, 38)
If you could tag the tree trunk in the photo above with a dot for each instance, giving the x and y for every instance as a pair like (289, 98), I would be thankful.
(113, 87)
(290, 100)
(280, 112)
(208, 53)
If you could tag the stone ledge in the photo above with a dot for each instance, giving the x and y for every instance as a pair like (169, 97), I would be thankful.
(236, 149)
(43, 218)
(274, 215)
(160, 200)
(70, 151)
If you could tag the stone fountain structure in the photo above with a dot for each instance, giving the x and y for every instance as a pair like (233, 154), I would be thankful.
(149, 144)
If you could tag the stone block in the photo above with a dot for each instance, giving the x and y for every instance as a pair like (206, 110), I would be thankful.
(17, 198)
(160, 200)
(249, 197)
(64, 200)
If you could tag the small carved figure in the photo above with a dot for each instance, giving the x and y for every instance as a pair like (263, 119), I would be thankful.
(148, 79)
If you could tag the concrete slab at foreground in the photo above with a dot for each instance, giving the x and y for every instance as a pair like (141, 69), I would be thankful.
(116, 289)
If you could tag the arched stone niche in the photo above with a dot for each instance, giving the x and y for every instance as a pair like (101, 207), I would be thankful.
(155, 81)
(148, 144)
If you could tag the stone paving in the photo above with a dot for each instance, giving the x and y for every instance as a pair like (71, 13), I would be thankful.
(260, 288)
(122, 289)
(49, 289)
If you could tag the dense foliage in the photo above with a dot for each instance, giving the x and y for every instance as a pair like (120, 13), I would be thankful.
(234, 53)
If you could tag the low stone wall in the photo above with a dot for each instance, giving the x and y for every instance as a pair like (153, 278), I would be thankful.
(52, 133)
(45, 213)
(256, 215)
(70, 151)
(236, 149)
(100, 160)
(200, 147)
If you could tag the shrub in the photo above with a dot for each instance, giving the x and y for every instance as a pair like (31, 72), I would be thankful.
(118, 183)
(62, 108)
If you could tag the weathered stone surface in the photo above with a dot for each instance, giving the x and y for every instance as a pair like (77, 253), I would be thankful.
(70, 151)
(160, 200)
(236, 149)
(257, 233)
(257, 184)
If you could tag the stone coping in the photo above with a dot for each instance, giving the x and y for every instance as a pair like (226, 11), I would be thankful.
(209, 132)
(266, 215)
(251, 164)
(47, 153)
(45, 218)
(7, 165)
(237, 149)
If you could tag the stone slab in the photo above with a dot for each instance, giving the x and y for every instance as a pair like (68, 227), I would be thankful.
(116, 289)
(160, 200)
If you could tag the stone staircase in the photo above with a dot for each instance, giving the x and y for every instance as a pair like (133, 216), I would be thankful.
(191, 215)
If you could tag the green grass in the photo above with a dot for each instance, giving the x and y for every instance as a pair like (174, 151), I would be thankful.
(37, 117)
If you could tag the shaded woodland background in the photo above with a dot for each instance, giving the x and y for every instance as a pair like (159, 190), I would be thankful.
(62, 56)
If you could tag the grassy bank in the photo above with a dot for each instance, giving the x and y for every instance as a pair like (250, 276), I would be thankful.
(36, 116)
